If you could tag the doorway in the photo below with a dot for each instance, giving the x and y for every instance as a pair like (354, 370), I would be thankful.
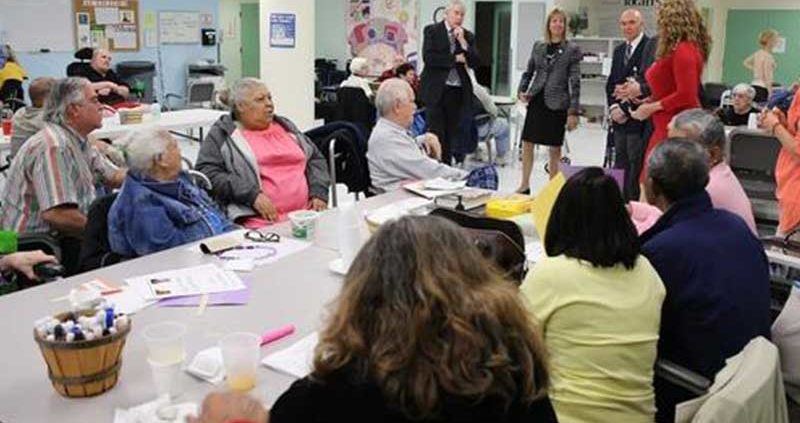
(493, 38)
(251, 56)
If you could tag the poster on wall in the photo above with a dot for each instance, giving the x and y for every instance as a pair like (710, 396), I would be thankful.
(383, 31)
(282, 28)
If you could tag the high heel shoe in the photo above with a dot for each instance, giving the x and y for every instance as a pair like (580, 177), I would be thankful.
(526, 191)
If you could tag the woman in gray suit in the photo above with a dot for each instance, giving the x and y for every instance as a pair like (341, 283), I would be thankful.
(551, 86)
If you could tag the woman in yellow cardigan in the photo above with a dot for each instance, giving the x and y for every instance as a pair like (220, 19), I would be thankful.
(599, 303)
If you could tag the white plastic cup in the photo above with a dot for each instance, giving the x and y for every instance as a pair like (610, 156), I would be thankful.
(304, 223)
(241, 352)
(349, 231)
(165, 342)
(167, 377)
(752, 121)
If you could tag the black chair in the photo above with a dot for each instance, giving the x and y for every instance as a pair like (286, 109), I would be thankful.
(507, 251)
(753, 155)
(762, 94)
(81, 67)
(12, 94)
(711, 94)
(95, 250)
(345, 147)
(353, 105)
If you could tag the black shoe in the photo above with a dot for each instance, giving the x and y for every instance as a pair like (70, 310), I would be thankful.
(526, 191)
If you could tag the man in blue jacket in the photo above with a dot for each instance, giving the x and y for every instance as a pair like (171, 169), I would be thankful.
(714, 269)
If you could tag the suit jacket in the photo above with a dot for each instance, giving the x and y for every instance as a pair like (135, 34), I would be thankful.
(647, 60)
(439, 60)
(560, 80)
(620, 73)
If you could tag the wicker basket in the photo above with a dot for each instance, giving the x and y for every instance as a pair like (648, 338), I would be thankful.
(83, 368)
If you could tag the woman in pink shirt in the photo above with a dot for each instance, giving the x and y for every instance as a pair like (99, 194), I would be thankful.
(260, 165)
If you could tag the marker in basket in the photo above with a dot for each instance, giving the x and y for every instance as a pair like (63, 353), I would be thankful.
(277, 334)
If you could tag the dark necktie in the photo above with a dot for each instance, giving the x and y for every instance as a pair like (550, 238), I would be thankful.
(628, 52)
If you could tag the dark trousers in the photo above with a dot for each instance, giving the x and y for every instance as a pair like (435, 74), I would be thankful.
(444, 120)
(629, 149)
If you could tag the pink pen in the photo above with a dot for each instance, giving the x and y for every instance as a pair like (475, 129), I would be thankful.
(276, 334)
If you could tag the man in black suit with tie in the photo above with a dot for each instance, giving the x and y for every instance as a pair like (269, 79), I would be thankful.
(628, 66)
(445, 88)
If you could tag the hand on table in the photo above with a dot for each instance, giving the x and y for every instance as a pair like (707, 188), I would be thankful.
(265, 208)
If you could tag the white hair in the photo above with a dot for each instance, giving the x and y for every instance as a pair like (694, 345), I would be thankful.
(455, 3)
(65, 92)
(143, 147)
(391, 92)
(240, 93)
(359, 66)
(745, 89)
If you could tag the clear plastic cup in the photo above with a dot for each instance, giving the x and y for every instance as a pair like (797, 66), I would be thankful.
(304, 223)
(240, 354)
(165, 342)
(167, 377)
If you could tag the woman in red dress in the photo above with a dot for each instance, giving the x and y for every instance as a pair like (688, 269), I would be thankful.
(674, 78)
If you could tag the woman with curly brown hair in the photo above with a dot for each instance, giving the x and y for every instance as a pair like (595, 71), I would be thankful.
(674, 78)
(421, 335)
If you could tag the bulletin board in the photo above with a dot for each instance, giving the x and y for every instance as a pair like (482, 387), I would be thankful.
(110, 24)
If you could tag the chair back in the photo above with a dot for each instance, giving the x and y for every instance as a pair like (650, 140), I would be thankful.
(353, 106)
(95, 249)
(712, 93)
(499, 240)
(345, 147)
(753, 156)
(12, 94)
(200, 94)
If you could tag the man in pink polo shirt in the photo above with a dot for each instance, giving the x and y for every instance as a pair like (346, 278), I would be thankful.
(723, 187)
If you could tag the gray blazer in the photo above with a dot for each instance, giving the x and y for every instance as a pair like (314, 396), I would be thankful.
(560, 79)
(227, 160)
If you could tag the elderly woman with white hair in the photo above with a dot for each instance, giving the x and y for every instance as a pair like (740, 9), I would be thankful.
(739, 112)
(260, 165)
(359, 69)
(159, 207)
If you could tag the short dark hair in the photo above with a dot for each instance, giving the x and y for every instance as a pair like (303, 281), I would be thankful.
(678, 168)
(589, 222)
(403, 69)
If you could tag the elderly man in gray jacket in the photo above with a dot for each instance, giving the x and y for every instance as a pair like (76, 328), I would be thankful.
(393, 155)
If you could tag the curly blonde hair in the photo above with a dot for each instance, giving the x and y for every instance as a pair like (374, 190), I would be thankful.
(679, 20)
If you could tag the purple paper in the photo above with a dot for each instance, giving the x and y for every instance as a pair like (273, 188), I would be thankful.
(617, 174)
(240, 297)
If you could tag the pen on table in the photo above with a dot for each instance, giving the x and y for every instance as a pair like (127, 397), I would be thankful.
(276, 334)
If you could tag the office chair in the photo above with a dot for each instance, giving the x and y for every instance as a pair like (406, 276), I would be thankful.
(753, 155)
(345, 147)
(711, 94)
(12, 94)
(355, 107)
(81, 67)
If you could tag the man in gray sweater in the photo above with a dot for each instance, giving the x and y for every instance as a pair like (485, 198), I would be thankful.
(28, 120)
(393, 155)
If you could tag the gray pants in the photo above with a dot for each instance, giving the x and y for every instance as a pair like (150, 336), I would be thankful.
(629, 155)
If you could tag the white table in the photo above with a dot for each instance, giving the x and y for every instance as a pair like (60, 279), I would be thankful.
(293, 290)
(178, 120)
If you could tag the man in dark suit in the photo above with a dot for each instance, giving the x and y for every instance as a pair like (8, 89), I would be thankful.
(628, 134)
(445, 88)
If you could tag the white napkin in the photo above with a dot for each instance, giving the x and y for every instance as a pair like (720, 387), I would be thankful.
(158, 411)
(208, 366)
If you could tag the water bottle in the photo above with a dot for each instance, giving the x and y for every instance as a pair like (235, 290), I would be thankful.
(155, 111)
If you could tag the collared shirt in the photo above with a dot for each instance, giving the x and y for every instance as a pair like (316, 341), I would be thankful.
(453, 80)
(726, 193)
(395, 157)
(635, 42)
(54, 167)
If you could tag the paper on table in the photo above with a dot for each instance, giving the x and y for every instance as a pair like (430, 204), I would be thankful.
(128, 301)
(396, 210)
(153, 411)
(295, 360)
(203, 279)
(239, 297)
(543, 203)
(534, 251)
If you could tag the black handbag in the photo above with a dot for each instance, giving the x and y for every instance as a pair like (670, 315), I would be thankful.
(500, 241)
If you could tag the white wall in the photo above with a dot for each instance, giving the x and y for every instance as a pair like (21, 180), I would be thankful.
(230, 28)
(289, 72)
(331, 34)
